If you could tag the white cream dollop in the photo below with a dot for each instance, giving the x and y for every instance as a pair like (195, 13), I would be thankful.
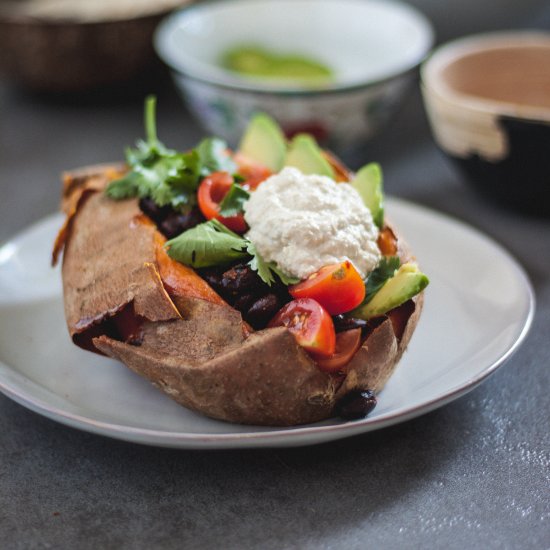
(304, 222)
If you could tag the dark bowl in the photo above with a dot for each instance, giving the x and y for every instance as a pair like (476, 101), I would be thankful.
(76, 52)
(488, 102)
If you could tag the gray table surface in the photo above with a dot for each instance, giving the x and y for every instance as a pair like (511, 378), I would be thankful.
(474, 473)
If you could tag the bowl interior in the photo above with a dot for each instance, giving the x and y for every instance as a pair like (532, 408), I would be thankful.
(360, 40)
(504, 71)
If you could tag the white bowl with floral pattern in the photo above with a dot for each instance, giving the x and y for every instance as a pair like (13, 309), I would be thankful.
(373, 48)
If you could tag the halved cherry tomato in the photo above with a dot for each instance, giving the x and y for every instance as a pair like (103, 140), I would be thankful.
(253, 172)
(212, 190)
(311, 325)
(337, 287)
(347, 343)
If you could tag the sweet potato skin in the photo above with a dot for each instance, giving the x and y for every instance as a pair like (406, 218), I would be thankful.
(194, 347)
(102, 273)
(267, 379)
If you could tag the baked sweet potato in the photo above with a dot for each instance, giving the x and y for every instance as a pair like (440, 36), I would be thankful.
(125, 298)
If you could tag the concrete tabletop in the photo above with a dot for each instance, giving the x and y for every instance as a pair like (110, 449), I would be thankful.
(473, 474)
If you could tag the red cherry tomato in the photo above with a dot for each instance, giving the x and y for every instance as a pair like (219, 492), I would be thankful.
(311, 325)
(347, 343)
(337, 287)
(253, 172)
(212, 190)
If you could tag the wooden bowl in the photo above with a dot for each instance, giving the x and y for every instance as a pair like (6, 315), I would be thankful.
(81, 48)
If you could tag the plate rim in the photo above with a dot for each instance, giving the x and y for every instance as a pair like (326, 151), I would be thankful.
(285, 436)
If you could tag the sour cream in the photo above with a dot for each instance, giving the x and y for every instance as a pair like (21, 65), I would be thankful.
(304, 222)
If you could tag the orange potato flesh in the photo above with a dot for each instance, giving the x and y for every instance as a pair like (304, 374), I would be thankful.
(341, 173)
(387, 242)
(181, 280)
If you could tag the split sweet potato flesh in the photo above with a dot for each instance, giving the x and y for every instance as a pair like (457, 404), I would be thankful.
(125, 298)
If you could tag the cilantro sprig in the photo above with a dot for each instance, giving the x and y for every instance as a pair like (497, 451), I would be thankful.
(213, 156)
(212, 243)
(169, 177)
(267, 270)
(233, 203)
(165, 175)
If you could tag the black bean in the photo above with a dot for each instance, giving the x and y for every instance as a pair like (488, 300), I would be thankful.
(262, 311)
(242, 278)
(243, 302)
(176, 223)
(356, 404)
(342, 323)
(193, 218)
(281, 291)
(213, 277)
(157, 213)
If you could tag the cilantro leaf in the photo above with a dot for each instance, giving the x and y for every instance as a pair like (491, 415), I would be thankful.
(166, 176)
(214, 157)
(125, 188)
(385, 270)
(212, 243)
(267, 270)
(285, 279)
(233, 202)
(207, 244)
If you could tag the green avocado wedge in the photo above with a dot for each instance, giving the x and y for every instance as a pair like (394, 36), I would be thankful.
(264, 142)
(305, 154)
(369, 184)
(407, 282)
(251, 60)
(255, 61)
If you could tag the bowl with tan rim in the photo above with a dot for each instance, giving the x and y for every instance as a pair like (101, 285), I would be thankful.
(488, 102)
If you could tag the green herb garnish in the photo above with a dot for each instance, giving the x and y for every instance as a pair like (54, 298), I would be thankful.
(207, 244)
(164, 175)
(214, 157)
(267, 270)
(233, 202)
(212, 243)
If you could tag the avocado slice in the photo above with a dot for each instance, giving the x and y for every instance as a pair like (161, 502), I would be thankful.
(304, 154)
(299, 69)
(264, 142)
(407, 282)
(252, 60)
(369, 184)
(248, 60)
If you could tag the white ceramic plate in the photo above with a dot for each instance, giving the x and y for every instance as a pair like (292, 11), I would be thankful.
(478, 309)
